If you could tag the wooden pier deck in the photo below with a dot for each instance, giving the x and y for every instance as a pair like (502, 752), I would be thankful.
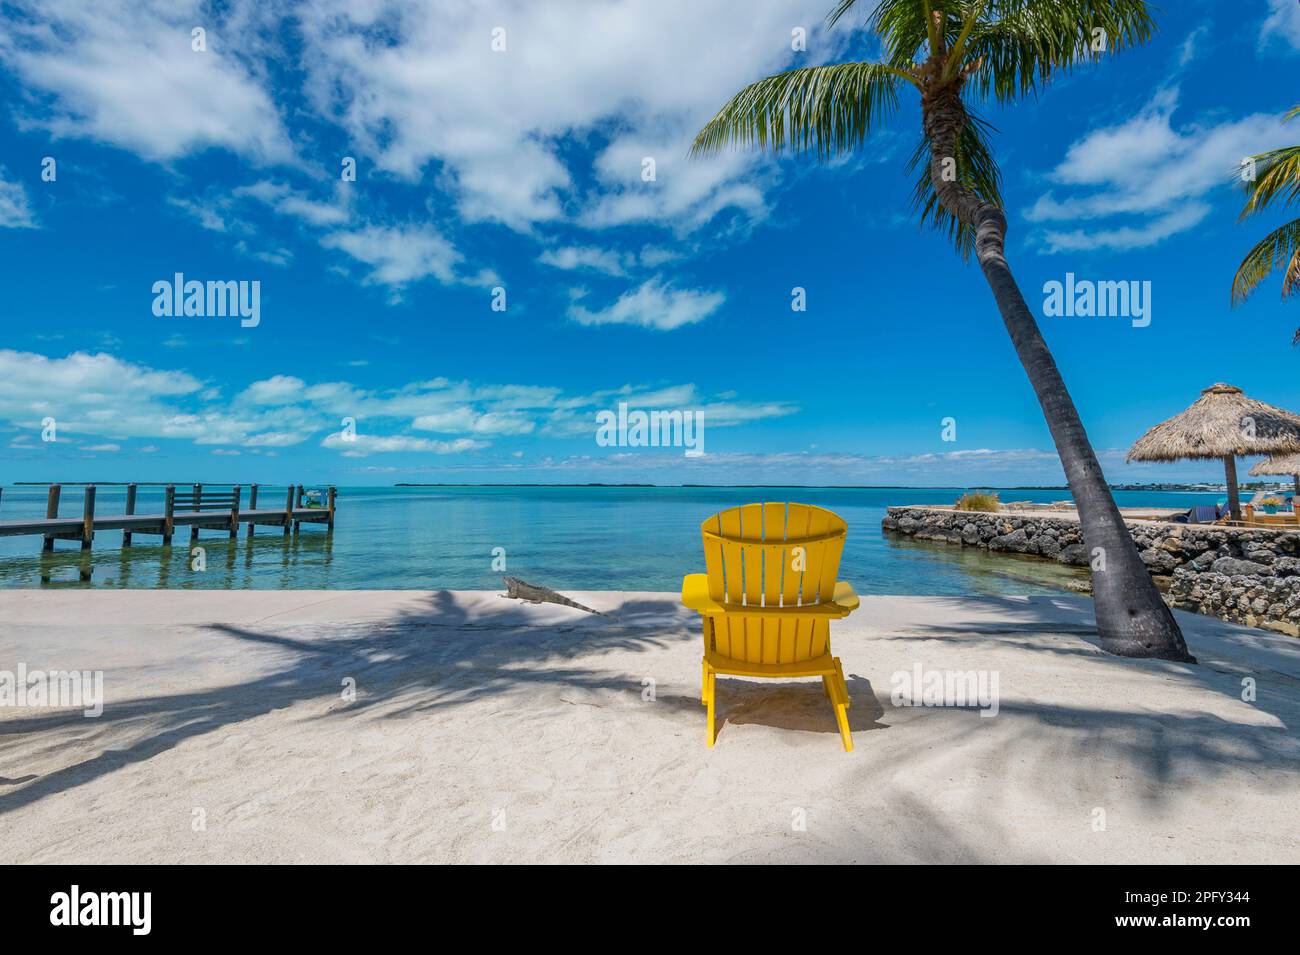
(192, 506)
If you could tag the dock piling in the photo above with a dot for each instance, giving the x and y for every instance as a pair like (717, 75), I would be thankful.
(252, 506)
(169, 514)
(88, 518)
(130, 509)
(234, 513)
(198, 500)
(51, 512)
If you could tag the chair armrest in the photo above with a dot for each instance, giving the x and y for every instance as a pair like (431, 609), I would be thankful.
(844, 596)
(695, 594)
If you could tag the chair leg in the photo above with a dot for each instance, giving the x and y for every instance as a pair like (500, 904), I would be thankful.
(842, 718)
(840, 702)
(711, 689)
(704, 681)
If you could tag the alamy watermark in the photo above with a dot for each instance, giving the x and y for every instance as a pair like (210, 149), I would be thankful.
(130, 909)
(53, 688)
(211, 299)
(651, 429)
(966, 688)
(1088, 299)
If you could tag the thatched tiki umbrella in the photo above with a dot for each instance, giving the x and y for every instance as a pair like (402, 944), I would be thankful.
(1223, 425)
(1285, 465)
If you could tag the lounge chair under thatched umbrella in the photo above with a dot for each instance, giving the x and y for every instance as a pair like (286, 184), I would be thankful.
(1285, 465)
(1223, 425)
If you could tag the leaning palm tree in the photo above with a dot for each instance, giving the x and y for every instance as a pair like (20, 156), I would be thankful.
(948, 50)
(1275, 175)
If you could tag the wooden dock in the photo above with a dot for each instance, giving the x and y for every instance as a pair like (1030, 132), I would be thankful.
(192, 506)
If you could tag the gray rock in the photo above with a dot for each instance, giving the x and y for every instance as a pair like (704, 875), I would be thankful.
(1232, 567)
(1160, 560)
(1016, 542)
(1286, 566)
(1074, 554)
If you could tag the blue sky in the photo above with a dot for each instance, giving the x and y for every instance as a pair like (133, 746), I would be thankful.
(522, 169)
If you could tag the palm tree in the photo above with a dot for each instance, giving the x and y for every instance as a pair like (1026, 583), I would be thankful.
(1276, 175)
(1003, 50)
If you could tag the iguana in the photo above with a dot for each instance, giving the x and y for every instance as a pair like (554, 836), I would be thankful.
(517, 589)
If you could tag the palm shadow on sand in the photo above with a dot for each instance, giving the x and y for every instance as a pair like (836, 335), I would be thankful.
(401, 667)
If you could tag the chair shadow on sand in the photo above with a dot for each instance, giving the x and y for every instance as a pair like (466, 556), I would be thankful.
(793, 705)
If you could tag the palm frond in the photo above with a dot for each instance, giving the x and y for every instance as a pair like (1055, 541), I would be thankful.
(976, 169)
(1280, 249)
(904, 28)
(1022, 44)
(1019, 44)
(1277, 176)
(829, 109)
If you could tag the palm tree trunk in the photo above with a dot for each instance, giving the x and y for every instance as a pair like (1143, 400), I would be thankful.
(1132, 619)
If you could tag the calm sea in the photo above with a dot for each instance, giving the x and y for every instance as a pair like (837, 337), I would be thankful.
(575, 538)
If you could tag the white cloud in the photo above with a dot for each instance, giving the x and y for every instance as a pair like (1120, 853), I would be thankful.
(288, 201)
(609, 261)
(417, 93)
(15, 208)
(102, 447)
(112, 399)
(206, 215)
(466, 420)
(653, 70)
(1128, 237)
(123, 72)
(99, 394)
(653, 305)
(685, 194)
(277, 390)
(275, 439)
(360, 445)
(584, 257)
(1145, 167)
(399, 255)
(1282, 24)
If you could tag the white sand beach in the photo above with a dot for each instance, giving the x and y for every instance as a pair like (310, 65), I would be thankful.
(485, 730)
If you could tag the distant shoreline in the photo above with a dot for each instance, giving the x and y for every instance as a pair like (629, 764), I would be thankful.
(1168, 488)
(1176, 488)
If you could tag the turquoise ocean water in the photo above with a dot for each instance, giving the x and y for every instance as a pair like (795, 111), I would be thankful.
(577, 538)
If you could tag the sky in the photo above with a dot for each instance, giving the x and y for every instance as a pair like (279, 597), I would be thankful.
(526, 245)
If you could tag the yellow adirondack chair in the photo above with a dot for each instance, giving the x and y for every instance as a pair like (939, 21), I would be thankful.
(769, 597)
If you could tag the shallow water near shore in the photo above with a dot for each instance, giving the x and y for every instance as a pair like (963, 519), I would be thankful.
(580, 538)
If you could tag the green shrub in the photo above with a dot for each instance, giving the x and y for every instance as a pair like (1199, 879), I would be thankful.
(977, 501)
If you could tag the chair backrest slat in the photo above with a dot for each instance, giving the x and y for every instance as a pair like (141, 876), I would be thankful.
(713, 559)
(796, 523)
(819, 522)
(774, 552)
(773, 555)
(751, 531)
(729, 529)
